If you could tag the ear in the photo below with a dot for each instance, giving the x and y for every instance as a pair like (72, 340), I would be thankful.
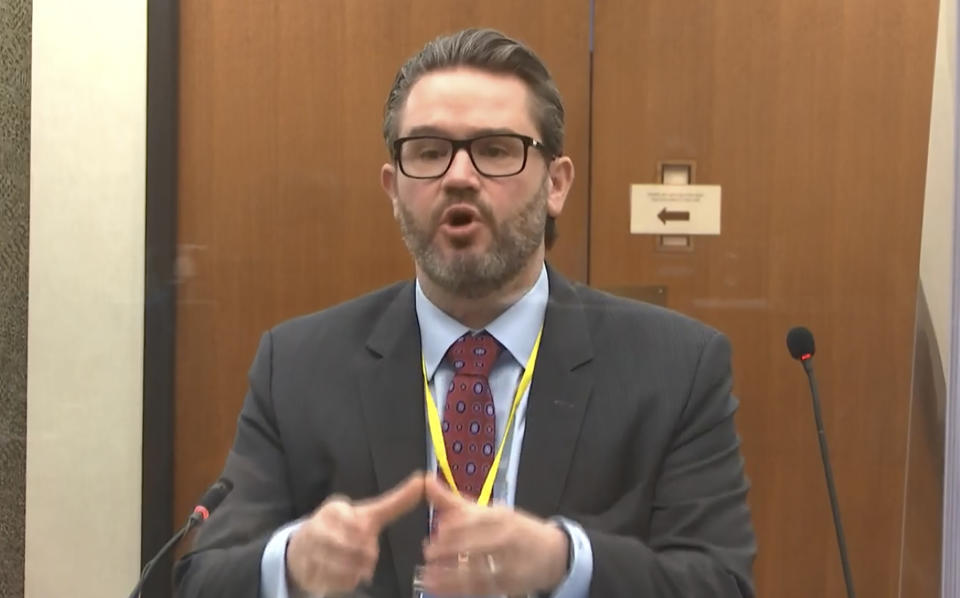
(388, 180)
(561, 175)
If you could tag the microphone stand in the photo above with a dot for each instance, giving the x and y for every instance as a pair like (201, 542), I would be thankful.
(825, 456)
(194, 520)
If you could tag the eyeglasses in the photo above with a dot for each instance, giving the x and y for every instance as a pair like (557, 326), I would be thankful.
(428, 157)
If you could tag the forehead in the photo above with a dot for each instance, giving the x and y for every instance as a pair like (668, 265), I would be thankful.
(463, 100)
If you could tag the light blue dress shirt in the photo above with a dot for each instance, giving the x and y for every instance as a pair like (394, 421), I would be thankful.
(516, 330)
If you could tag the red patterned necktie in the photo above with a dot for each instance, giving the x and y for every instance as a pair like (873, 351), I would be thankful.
(469, 417)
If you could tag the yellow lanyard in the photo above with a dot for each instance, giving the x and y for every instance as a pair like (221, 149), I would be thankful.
(436, 431)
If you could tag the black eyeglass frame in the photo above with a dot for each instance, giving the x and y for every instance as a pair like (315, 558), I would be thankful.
(467, 144)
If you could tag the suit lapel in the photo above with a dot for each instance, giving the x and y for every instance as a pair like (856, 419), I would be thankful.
(559, 394)
(391, 394)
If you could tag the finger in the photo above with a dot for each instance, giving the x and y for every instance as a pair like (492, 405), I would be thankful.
(339, 517)
(469, 530)
(440, 496)
(341, 568)
(353, 566)
(464, 580)
(332, 552)
(445, 580)
(371, 556)
(337, 531)
(336, 524)
(453, 523)
(401, 499)
(322, 570)
(331, 578)
(349, 552)
(335, 498)
(438, 551)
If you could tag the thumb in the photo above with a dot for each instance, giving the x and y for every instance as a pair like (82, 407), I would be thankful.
(440, 496)
(393, 503)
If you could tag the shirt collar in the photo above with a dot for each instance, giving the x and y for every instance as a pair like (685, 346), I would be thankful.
(516, 328)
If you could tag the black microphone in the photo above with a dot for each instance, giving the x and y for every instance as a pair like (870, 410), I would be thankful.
(210, 500)
(801, 346)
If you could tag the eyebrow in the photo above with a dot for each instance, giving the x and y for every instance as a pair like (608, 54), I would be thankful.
(440, 132)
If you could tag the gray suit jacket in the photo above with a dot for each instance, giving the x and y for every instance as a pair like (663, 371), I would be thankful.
(629, 431)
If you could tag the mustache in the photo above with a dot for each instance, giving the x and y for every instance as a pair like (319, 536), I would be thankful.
(468, 198)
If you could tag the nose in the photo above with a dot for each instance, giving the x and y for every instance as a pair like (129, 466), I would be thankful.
(461, 172)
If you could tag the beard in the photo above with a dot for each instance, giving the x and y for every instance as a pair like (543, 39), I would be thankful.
(477, 275)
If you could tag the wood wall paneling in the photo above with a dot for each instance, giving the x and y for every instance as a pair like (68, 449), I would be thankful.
(813, 116)
(281, 212)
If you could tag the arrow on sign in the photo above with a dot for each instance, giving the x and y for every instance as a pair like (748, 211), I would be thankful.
(666, 215)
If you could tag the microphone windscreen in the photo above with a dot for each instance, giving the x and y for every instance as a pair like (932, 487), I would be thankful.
(212, 498)
(800, 342)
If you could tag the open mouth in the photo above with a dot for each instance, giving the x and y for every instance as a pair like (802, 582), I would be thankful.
(459, 216)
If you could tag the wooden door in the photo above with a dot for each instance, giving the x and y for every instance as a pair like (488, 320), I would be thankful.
(280, 207)
(813, 116)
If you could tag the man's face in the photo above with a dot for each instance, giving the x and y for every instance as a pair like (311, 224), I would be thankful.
(469, 233)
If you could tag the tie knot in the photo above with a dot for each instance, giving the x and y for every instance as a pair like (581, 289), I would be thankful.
(473, 355)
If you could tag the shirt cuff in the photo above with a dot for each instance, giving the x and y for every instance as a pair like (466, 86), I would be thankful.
(577, 582)
(273, 565)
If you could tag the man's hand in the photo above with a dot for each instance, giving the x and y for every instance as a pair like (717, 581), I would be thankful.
(480, 551)
(337, 548)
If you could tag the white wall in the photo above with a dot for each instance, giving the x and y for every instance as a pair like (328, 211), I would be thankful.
(936, 245)
(85, 327)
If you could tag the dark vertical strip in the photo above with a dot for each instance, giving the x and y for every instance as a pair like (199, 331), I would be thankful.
(160, 288)
(15, 40)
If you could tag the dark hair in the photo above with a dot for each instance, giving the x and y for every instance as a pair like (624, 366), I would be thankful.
(492, 51)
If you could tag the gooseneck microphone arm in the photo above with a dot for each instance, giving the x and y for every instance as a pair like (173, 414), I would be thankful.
(211, 500)
(828, 472)
(166, 548)
(801, 346)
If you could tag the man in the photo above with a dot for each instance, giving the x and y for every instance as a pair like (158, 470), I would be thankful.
(574, 443)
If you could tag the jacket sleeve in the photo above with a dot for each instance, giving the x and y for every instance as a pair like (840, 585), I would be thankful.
(701, 541)
(225, 560)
